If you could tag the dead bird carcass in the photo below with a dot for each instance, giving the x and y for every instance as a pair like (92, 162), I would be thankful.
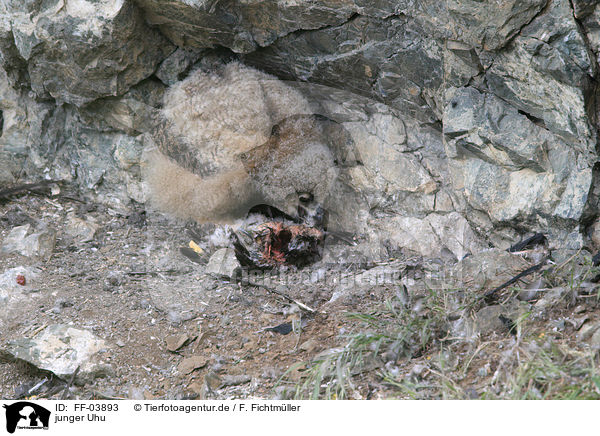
(275, 243)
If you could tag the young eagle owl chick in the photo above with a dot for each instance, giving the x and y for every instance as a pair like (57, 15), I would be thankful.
(234, 138)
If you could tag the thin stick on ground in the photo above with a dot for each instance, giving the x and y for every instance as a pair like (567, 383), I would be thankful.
(28, 187)
(283, 295)
(491, 293)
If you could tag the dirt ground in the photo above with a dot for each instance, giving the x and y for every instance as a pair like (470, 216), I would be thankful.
(131, 286)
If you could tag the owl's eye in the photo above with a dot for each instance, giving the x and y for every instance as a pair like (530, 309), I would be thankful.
(276, 130)
(305, 197)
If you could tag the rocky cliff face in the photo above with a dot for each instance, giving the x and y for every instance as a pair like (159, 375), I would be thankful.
(474, 122)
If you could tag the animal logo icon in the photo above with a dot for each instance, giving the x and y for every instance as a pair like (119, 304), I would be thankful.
(24, 414)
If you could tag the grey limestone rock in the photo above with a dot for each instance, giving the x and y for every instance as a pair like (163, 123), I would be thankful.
(78, 51)
(62, 350)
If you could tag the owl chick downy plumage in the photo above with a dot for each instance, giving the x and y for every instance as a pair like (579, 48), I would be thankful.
(229, 139)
